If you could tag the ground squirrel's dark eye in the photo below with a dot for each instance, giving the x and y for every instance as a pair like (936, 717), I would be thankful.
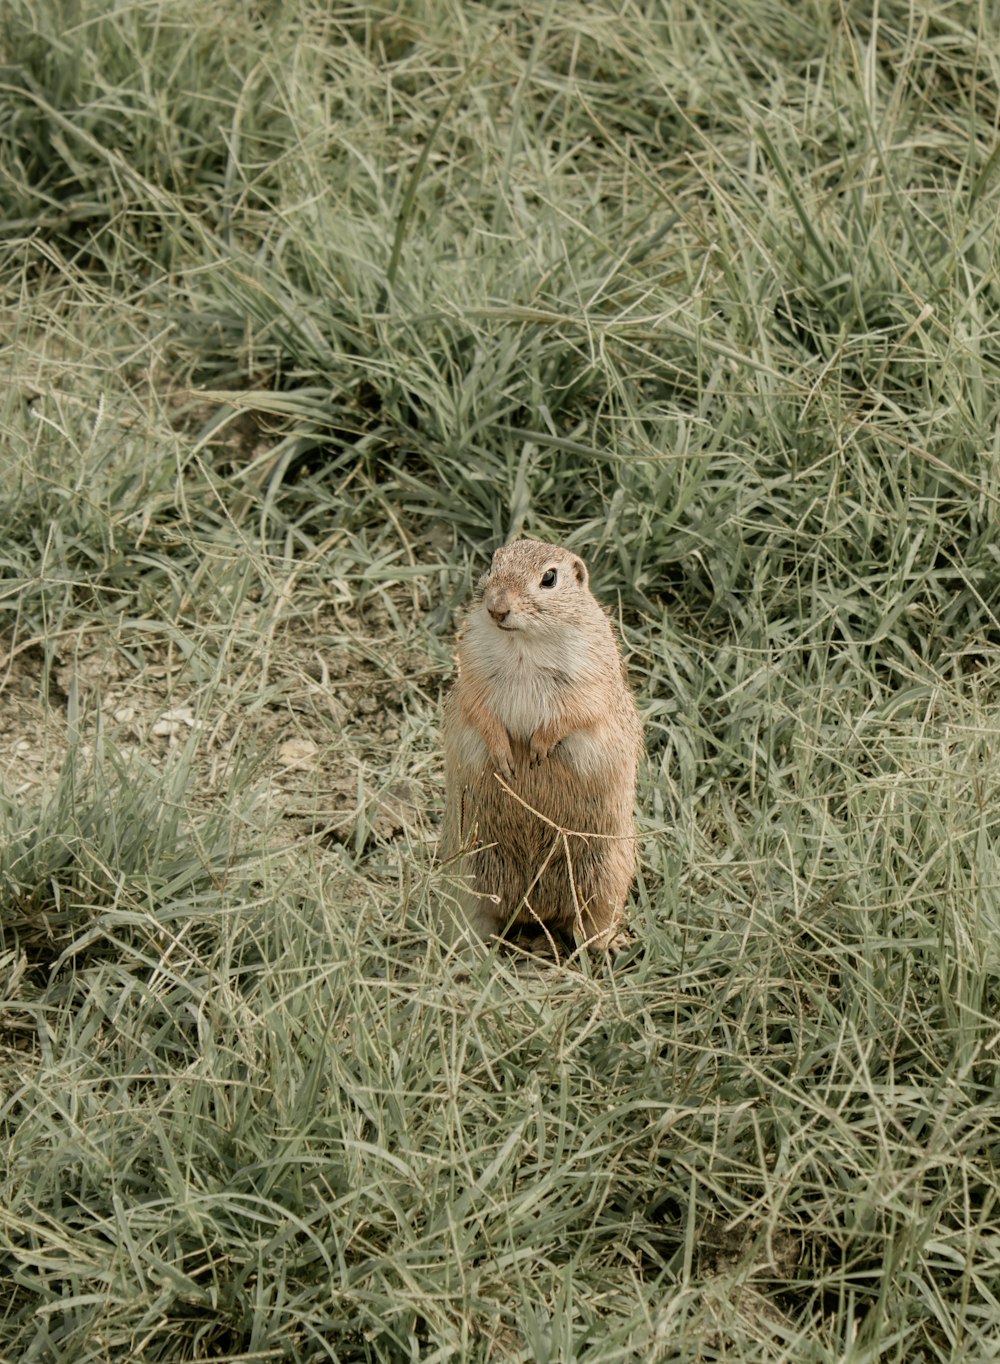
(548, 578)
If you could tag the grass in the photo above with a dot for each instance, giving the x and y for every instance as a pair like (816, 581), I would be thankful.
(305, 309)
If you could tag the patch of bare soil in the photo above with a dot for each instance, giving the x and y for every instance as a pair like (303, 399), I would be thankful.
(332, 735)
(32, 736)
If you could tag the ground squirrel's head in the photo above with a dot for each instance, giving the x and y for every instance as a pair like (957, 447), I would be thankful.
(531, 586)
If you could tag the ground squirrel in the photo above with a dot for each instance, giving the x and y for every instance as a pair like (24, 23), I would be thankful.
(541, 706)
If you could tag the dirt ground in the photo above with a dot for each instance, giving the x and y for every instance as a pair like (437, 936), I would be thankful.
(322, 738)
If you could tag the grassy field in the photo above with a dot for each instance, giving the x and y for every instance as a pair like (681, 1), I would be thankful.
(305, 307)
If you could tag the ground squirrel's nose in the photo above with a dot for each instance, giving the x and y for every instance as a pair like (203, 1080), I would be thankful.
(498, 605)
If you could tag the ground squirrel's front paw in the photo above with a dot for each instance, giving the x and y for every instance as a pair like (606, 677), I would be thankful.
(538, 751)
(504, 764)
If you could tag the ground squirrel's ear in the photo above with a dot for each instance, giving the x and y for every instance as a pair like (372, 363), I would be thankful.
(580, 569)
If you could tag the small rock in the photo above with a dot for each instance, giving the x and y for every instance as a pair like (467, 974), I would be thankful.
(171, 722)
(298, 754)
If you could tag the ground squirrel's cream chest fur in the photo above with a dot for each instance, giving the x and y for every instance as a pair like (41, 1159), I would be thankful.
(541, 701)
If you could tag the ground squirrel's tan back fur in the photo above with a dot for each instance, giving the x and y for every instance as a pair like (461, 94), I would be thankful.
(542, 700)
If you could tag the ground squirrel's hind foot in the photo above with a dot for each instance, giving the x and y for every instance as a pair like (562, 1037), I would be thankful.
(611, 938)
(603, 932)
